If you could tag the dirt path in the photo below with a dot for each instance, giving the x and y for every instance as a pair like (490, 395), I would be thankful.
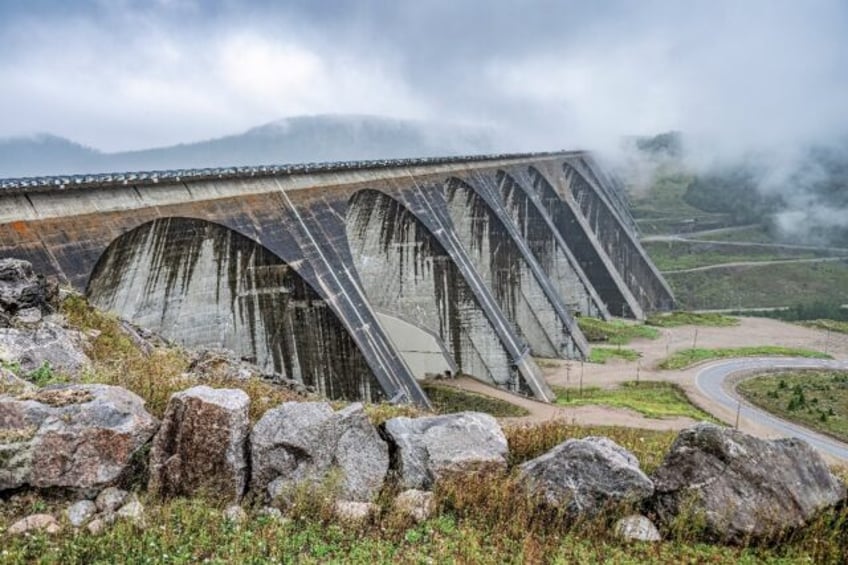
(731, 243)
(583, 415)
(755, 264)
(750, 332)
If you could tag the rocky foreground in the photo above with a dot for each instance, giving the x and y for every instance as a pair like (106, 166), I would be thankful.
(96, 443)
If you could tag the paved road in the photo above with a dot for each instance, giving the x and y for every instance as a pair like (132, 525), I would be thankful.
(712, 382)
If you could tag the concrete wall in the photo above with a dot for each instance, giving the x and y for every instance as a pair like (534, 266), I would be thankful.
(583, 243)
(203, 285)
(605, 217)
(423, 351)
(548, 247)
(403, 268)
(506, 268)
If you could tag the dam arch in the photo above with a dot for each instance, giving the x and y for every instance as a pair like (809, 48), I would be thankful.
(203, 284)
(491, 243)
(404, 269)
(550, 250)
(586, 249)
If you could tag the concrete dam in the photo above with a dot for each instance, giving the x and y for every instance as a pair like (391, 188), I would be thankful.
(356, 278)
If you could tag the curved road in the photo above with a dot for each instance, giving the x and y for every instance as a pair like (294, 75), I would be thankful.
(712, 382)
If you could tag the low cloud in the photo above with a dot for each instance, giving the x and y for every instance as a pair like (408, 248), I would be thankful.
(125, 74)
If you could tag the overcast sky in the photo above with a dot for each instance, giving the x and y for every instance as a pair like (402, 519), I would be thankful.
(125, 74)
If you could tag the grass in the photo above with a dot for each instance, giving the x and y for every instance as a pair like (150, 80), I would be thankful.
(678, 255)
(828, 325)
(761, 286)
(603, 354)
(664, 197)
(817, 399)
(687, 357)
(616, 332)
(156, 375)
(662, 209)
(447, 399)
(654, 399)
(751, 234)
(479, 519)
(683, 318)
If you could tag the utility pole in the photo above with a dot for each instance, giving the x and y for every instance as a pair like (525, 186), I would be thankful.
(695, 340)
(581, 379)
(738, 412)
(638, 367)
(567, 380)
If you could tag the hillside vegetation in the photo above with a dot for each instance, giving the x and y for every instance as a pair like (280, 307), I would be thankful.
(687, 357)
(816, 399)
(751, 217)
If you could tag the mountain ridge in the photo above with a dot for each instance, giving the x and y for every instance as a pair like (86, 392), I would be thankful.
(328, 137)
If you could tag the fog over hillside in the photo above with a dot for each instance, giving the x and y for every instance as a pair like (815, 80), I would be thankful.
(292, 140)
(799, 192)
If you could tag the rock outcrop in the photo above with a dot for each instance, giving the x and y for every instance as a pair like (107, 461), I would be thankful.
(222, 364)
(60, 349)
(79, 513)
(428, 449)
(201, 446)
(111, 499)
(585, 476)
(348, 511)
(24, 296)
(302, 444)
(11, 384)
(740, 486)
(80, 437)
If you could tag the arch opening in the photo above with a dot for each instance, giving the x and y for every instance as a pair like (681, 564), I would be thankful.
(606, 221)
(204, 285)
(557, 262)
(404, 270)
(581, 245)
(505, 269)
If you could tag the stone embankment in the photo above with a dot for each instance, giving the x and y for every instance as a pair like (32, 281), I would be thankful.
(86, 438)
(94, 443)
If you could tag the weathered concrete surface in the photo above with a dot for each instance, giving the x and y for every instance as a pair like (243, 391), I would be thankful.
(203, 285)
(296, 222)
(547, 245)
(422, 350)
(584, 244)
(405, 267)
(508, 267)
(605, 219)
